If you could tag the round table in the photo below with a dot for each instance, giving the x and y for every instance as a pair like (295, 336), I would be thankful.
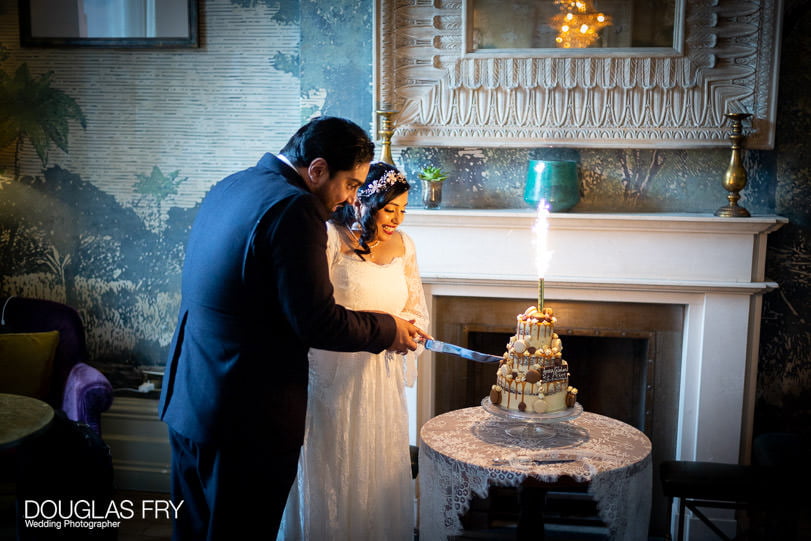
(22, 417)
(463, 452)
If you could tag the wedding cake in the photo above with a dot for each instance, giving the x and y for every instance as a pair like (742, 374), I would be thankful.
(532, 376)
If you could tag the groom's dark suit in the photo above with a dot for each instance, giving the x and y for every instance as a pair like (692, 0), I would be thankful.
(256, 296)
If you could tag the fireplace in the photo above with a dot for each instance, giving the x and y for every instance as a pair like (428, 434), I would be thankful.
(693, 283)
(601, 355)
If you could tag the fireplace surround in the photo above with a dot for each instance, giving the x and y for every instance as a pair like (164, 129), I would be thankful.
(709, 269)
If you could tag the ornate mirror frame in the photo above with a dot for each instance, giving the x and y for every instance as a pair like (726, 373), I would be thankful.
(446, 96)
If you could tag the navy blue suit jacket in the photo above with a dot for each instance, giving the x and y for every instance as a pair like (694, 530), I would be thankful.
(256, 296)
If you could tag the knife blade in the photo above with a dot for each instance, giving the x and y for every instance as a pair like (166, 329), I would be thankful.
(443, 347)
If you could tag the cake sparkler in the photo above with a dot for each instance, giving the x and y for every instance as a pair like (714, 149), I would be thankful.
(542, 253)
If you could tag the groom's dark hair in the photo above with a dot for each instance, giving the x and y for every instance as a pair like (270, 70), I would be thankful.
(341, 142)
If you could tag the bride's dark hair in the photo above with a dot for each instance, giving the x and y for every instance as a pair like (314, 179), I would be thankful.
(383, 183)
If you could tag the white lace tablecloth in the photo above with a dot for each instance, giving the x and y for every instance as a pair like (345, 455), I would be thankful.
(465, 451)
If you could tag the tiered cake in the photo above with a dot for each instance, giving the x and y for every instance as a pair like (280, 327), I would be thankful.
(532, 376)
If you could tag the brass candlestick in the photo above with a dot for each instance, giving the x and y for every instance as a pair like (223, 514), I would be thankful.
(735, 176)
(386, 131)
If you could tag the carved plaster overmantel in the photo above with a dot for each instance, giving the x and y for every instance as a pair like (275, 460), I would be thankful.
(726, 60)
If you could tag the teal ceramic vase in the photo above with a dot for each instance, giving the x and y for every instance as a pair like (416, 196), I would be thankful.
(556, 182)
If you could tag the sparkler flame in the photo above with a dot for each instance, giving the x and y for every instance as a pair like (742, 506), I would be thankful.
(543, 255)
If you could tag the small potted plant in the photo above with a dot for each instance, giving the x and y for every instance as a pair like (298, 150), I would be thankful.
(432, 179)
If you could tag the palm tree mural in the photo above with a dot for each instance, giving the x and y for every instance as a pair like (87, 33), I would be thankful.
(31, 109)
(154, 189)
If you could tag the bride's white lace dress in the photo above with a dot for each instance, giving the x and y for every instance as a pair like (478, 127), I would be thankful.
(354, 478)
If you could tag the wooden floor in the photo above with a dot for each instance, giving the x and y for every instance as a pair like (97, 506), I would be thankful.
(146, 529)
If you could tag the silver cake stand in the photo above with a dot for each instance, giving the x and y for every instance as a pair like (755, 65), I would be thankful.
(531, 425)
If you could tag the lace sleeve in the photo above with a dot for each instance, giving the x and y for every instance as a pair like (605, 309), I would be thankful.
(416, 308)
(333, 244)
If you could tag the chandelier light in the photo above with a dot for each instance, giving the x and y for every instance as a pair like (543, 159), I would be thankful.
(578, 24)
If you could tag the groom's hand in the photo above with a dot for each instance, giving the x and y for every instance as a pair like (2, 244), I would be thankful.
(406, 337)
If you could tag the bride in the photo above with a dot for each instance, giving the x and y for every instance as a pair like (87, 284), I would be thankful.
(354, 475)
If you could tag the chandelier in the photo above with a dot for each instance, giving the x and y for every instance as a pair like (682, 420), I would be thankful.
(578, 24)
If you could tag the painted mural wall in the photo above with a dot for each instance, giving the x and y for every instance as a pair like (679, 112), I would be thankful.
(784, 375)
(98, 218)
(107, 153)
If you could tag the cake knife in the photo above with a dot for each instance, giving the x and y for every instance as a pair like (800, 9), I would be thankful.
(442, 347)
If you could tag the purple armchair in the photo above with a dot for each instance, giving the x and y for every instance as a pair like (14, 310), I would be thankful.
(77, 388)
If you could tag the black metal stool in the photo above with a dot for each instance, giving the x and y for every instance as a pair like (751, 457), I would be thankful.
(709, 484)
(773, 490)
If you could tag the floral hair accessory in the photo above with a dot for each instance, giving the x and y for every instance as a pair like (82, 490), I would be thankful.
(383, 183)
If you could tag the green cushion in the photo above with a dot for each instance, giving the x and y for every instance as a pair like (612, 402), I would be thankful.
(26, 362)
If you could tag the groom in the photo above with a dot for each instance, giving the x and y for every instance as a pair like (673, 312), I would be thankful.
(256, 296)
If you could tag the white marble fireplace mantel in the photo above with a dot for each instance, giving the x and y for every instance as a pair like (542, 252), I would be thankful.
(713, 266)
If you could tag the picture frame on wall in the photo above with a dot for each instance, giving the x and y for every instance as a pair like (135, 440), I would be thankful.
(109, 23)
